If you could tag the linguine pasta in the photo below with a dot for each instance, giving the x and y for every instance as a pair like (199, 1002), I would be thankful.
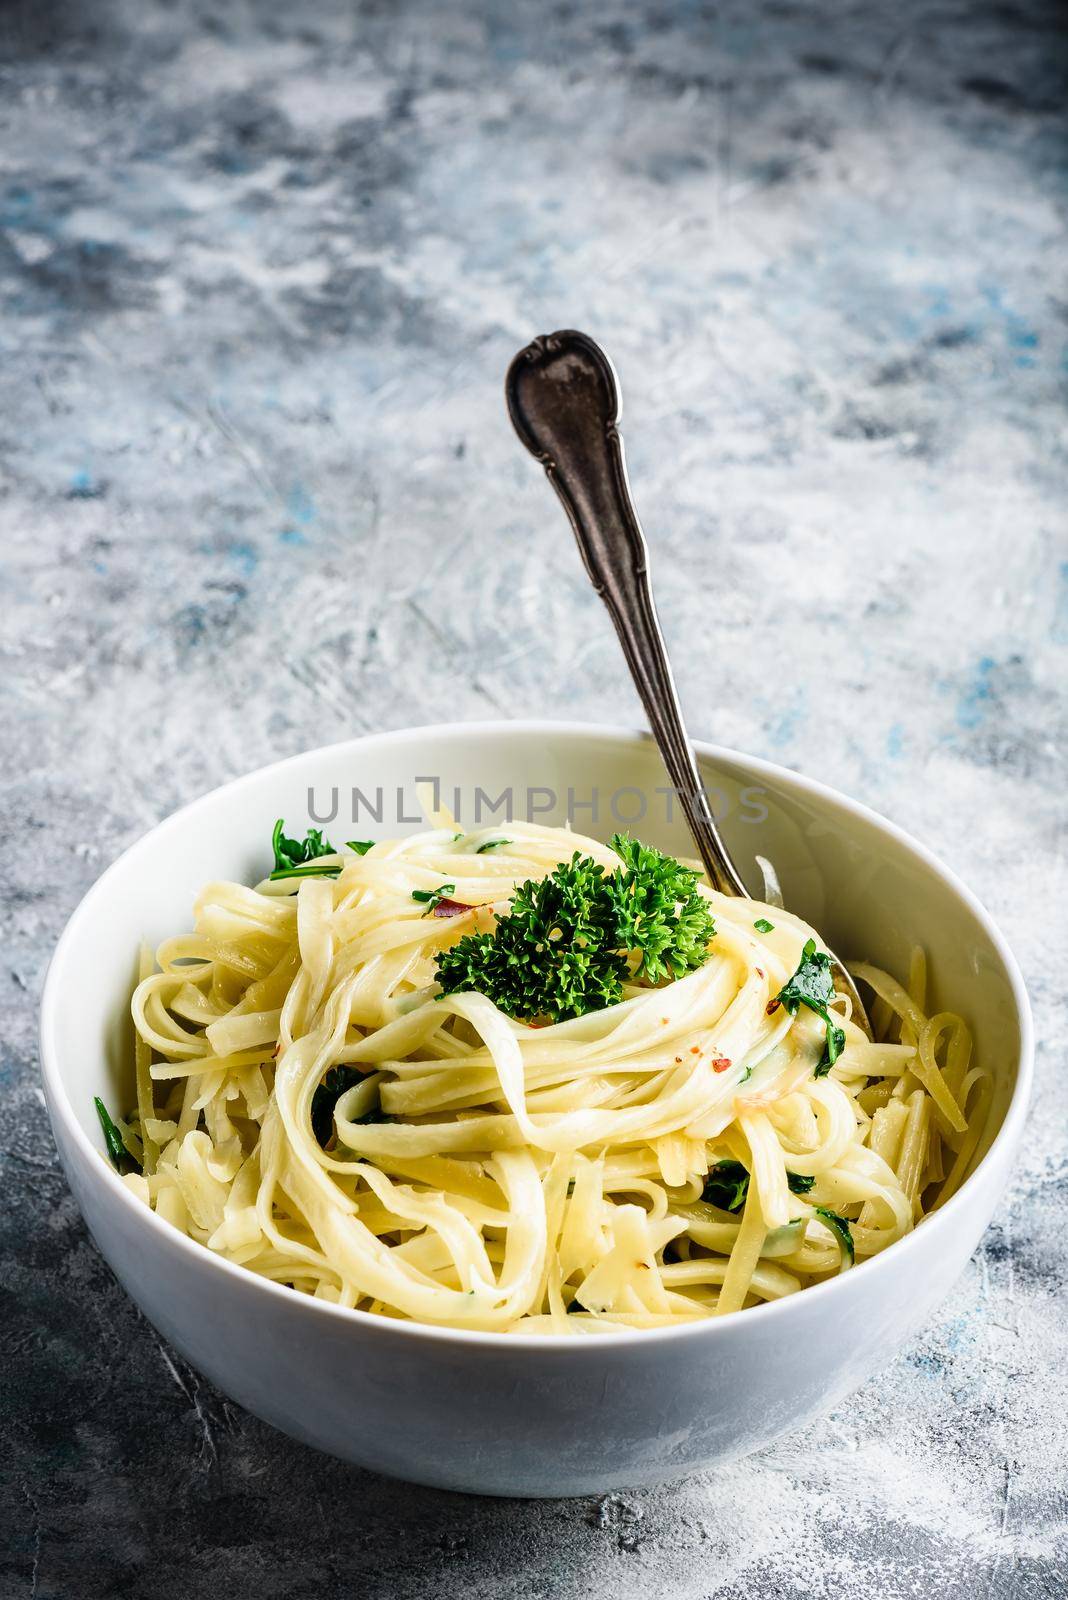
(678, 1155)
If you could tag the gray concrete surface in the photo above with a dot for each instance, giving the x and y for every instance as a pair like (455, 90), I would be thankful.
(262, 269)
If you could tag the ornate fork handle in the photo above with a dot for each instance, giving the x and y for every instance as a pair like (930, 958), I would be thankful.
(564, 402)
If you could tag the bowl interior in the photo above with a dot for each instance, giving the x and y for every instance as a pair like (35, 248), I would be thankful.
(871, 891)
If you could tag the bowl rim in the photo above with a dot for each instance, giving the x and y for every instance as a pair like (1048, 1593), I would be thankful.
(373, 1325)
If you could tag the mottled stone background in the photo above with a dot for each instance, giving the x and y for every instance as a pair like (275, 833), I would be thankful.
(262, 269)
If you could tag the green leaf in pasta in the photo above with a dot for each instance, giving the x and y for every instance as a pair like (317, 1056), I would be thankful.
(295, 858)
(727, 1185)
(432, 898)
(812, 985)
(842, 1231)
(335, 1083)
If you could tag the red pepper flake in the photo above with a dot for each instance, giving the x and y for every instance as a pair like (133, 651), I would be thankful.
(664, 1020)
(451, 908)
(760, 972)
(678, 1061)
(721, 1063)
(771, 1007)
(695, 1049)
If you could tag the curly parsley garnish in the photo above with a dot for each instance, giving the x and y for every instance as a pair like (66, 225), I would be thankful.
(812, 985)
(658, 911)
(570, 940)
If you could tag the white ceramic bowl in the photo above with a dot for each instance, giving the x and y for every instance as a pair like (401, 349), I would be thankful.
(520, 1414)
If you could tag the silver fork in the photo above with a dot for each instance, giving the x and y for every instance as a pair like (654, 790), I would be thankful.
(563, 399)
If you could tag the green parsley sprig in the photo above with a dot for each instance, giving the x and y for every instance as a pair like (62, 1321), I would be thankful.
(570, 939)
(658, 911)
(299, 858)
